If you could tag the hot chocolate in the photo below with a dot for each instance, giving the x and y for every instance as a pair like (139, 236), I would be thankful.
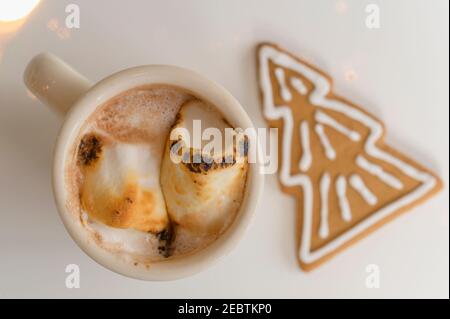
(130, 195)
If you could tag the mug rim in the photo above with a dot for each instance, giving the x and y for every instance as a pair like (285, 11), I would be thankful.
(114, 85)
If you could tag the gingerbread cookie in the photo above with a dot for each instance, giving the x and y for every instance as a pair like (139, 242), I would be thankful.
(346, 181)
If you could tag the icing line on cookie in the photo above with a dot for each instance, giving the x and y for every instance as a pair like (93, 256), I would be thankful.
(358, 184)
(330, 153)
(341, 191)
(379, 172)
(319, 97)
(306, 160)
(324, 190)
(281, 79)
(328, 120)
(299, 86)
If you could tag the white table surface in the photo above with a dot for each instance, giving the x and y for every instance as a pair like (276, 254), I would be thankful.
(401, 76)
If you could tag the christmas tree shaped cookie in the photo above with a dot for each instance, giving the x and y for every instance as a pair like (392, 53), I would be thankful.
(347, 182)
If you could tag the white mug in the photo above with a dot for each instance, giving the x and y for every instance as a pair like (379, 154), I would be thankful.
(63, 89)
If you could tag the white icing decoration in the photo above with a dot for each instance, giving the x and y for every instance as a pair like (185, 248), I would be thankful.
(328, 120)
(306, 160)
(379, 172)
(299, 86)
(319, 97)
(341, 191)
(358, 184)
(330, 153)
(324, 190)
(286, 95)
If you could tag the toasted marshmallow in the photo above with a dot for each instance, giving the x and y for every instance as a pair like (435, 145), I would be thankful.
(120, 187)
(203, 189)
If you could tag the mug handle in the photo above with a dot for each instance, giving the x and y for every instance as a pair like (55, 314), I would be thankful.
(54, 82)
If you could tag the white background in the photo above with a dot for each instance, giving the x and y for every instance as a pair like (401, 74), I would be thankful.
(400, 74)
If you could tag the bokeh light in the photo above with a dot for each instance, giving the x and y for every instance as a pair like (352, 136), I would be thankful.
(341, 6)
(12, 10)
(350, 75)
(63, 33)
(53, 24)
(59, 29)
